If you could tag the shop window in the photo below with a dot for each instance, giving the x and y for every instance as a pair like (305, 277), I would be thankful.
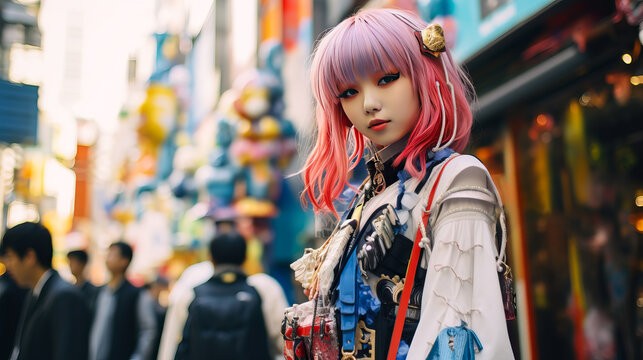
(581, 171)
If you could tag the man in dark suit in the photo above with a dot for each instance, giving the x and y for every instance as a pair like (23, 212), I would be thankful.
(11, 298)
(55, 319)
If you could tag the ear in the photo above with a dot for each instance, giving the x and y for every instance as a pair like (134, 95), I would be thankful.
(30, 257)
(126, 263)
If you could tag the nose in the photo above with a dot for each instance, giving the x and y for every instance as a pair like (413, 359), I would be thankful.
(372, 103)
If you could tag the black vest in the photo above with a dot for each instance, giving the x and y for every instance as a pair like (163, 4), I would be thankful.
(125, 329)
(225, 321)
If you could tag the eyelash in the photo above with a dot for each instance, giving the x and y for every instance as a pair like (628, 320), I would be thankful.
(384, 80)
(388, 78)
(347, 93)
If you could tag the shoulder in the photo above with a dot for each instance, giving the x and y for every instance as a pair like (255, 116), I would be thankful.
(90, 286)
(457, 163)
(196, 274)
(460, 173)
(459, 170)
(63, 294)
(469, 171)
(130, 288)
(198, 290)
(264, 282)
(60, 286)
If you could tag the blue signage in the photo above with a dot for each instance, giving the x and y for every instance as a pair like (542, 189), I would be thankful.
(18, 113)
(477, 23)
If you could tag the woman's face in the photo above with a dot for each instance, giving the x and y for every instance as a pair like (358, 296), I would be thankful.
(383, 107)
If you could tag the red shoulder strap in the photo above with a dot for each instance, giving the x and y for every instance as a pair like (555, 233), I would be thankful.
(410, 274)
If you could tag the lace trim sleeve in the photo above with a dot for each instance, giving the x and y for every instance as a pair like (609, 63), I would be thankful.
(462, 285)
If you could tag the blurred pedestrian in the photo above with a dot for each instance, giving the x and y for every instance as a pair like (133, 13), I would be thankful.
(155, 289)
(123, 326)
(225, 319)
(273, 302)
(182, 292)
(179, 300)
(12, 297)
(54, 323)
(78, 260)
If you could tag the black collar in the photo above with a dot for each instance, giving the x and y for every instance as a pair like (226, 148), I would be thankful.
(382, 162)
(388, 171)
(383, 159)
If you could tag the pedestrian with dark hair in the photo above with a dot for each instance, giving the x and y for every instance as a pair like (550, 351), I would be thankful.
(78, 260)
(12, 298)
(55, 319)
(124, 325)
(225, 319)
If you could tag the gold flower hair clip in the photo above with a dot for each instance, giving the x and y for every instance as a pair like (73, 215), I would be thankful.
(431, 40)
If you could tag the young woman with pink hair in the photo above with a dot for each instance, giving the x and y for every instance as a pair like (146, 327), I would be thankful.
(411, 271)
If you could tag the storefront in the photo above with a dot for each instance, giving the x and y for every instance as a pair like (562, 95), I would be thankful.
(559, 126)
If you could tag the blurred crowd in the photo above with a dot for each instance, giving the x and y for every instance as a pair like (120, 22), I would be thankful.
(213, 305)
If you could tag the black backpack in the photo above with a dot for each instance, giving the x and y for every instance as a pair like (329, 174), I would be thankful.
(226, 321)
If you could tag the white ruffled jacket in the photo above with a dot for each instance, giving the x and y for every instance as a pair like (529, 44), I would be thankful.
(462, 281)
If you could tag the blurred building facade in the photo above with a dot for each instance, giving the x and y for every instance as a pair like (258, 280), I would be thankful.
(20, 52)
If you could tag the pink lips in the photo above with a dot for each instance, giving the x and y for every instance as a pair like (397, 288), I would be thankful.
(378, 124)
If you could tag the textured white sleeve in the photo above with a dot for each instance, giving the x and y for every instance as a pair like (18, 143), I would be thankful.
(462, 285)
(462, 281)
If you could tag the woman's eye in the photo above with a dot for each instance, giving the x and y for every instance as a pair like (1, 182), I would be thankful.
(347, 93)
(389, 78)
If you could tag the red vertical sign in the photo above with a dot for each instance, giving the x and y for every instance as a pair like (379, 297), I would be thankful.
(82, 202)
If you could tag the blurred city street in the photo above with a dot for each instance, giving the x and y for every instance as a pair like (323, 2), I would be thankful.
(160, 124)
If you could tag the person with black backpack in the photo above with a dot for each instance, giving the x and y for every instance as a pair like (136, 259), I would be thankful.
(225, 320)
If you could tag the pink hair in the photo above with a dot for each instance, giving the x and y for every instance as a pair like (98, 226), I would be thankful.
(377, 40)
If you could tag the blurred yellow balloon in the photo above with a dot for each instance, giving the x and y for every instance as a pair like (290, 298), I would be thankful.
(244, 129)
(255, 208)
(123, 215)
(269, 127)
(158, 113)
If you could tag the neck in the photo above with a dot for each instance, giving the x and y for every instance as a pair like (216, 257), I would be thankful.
(116, 280)
(394, 149)
(38, 273)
